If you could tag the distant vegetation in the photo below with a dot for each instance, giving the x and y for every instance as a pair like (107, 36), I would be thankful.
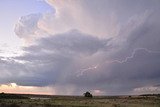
(88, 94)
(156, 95)
(12, 96)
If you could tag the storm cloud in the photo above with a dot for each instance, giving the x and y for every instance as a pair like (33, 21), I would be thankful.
(109, 46)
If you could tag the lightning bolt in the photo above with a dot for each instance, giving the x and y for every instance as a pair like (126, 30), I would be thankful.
(133, 54)
(82, 71)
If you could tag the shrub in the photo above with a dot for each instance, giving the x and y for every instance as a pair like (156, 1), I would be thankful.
(88, 94)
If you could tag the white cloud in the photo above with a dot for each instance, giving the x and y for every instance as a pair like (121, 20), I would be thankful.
(147, 90)
(27, 27)
(72, 14)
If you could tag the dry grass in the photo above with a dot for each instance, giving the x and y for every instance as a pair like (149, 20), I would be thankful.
(71, 101)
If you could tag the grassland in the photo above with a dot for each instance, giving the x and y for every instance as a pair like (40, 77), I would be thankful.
(80, 101)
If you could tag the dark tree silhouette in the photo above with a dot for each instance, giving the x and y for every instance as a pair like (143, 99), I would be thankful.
(88, 94)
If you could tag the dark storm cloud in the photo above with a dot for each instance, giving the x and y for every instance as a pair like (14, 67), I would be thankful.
(72, 42)
(52, 59)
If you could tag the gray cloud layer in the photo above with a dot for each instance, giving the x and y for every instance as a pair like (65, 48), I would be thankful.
(74, 61)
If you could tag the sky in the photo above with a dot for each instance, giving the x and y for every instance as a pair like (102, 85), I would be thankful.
(68, 47)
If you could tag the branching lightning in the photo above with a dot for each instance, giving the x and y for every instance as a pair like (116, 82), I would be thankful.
(83, 70)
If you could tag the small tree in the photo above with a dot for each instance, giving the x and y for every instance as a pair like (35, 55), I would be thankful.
(88, 94)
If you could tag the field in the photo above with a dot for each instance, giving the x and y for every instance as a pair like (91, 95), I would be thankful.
(80, 101)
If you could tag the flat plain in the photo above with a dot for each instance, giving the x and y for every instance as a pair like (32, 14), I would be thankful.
(80, 101)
